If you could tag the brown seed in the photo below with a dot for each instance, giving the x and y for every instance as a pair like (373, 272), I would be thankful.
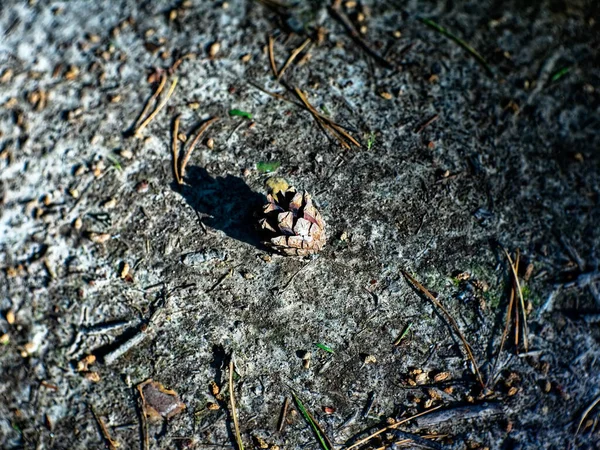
(260, 442)
(30, 348)
(94, 377)
(397, 34)
(212, 406)
(110, 203)
(99, 238)
(194, 105)
(124, 270)
(449, 390)
(547, 386)
(245, 58)
(72, 73)
(385, 95)
(328, 409)
(182, 137)
(214, 49)
(210, 143)
(370, 359)
(77, 223)
(512, 391)
(442, 376)
(214, 388)
(421, 378)
(4, 339)
(10, 316)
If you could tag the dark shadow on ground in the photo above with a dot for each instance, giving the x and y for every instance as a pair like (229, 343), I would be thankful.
(223, 203)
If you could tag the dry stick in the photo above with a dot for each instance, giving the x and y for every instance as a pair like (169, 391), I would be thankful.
(514, 288)
(408, 441)
(110, 442)
(151, 100)
(299, 105)
(427, 294)
(292, 57)
(272, 57)
(188, 154)
(336, 11)
(586, 412)
(323, 122)
(160, 106)
(236, 425)
(317, 118)
(144, 424)
(175, 148)
(391, 427)
(427, 123)
(283, 415)
(511, 302)
(522, 301)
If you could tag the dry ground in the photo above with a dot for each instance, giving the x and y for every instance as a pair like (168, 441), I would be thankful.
(510, 162)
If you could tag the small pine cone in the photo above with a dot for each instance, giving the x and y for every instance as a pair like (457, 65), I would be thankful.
(292, 223)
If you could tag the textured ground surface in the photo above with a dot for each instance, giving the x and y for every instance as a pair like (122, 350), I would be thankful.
(510, 162)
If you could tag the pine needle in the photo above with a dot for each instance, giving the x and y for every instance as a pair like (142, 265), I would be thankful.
(586, 412)
(292, 57)
(391, 427)
(152, 99)
(272, 57)
(433, 300)
(323, 440)
(480, 59)
(175, 148)
(188, 153)
(160, 106)
(238, 436)
(521, 300)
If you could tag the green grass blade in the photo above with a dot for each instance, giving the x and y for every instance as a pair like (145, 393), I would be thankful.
(480, 59)
(324, 347)
(562, 72)
(309, 419)
(240, 113)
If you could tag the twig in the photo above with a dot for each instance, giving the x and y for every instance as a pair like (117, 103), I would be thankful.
(391, 427)
(272, 57)
(408, 440)
(236, 425)
(110, 442)
(460, 413)
(175, 148)
(283, 414)
(468, 350)
(292, 57)
(336, 11)
(511, 302)
(522, 301)
(427, 123)
(199, 134)
(152, 99)
(160, 106)
(586, 412)
(144, 423)
(418, 440)
(480, 59)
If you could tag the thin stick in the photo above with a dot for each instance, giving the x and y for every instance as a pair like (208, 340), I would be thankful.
(427, 123)
(586, 412)
(427, 294)
(293, 56)
(188, 154)
(336, 11)
(283, 415)
(160, 106)
(522, 301)
(511, 302)
(175, 148)
(391, 427)
(236, 425)
(272, 57)
(144, 425)
(408, 441)
(110, 442)
(152, 99)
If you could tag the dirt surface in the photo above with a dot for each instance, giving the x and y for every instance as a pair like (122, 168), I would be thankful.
(455, 165)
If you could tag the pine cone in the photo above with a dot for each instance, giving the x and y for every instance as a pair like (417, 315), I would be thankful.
(292, 223)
